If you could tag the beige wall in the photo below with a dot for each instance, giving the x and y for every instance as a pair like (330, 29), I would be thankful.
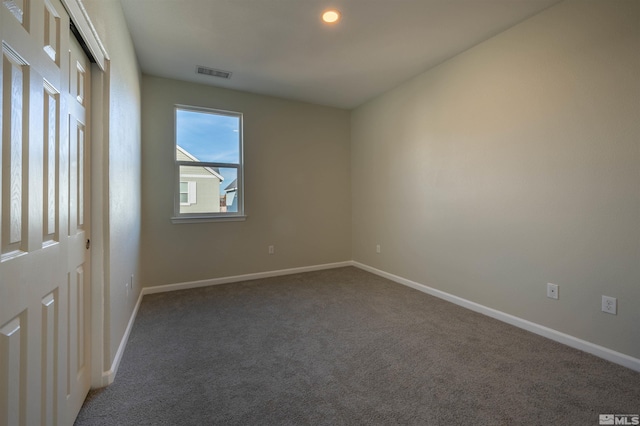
(122, 180)
(515, 164)
(297, 188)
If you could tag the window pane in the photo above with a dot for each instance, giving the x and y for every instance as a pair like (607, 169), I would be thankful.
(202, 192)
(208, 137)
(229, 190)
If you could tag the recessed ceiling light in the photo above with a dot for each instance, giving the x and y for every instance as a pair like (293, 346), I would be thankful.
(331, 16)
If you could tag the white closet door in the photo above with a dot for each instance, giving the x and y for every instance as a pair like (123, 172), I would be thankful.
(44, 270)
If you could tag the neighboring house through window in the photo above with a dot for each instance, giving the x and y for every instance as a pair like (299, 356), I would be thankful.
(208, 165)
(231, 201)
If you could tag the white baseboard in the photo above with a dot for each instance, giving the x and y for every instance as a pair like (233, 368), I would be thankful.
(566, 339)
(109, 376)
(246, 277)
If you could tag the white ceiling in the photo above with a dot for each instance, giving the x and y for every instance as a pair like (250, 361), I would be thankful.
(281, 48)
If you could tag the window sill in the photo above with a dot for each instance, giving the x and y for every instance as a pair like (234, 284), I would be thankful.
(202, 219)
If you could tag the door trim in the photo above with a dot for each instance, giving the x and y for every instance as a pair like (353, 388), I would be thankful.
(81, 20)
(100, 331)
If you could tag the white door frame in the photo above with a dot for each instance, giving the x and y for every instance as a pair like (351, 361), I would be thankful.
(101, 374)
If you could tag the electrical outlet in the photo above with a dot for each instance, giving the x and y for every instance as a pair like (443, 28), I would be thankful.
(609, 305)
(552, 291)
(272, 250)
(378, 248)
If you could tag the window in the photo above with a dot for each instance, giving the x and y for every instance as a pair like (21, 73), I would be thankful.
(188, 193)
(208, 165)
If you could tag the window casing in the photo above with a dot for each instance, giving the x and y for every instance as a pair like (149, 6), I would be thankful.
(208, 165)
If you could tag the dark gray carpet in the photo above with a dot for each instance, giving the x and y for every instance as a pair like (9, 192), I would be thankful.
(345, 347)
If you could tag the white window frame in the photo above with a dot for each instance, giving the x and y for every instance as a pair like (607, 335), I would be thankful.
(212, 216)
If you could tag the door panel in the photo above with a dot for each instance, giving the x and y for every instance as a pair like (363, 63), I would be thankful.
(12, 150)
(51, 149)
(44, 288)
(14, 384)
(50, 343)
(78, 265)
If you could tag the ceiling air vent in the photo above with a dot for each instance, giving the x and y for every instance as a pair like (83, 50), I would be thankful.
(212, 72)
